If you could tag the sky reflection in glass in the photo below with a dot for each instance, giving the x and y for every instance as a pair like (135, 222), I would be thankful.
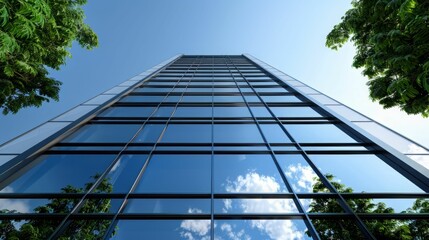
(52, 173)
(361, 172)
(246, 174)
(176, 174)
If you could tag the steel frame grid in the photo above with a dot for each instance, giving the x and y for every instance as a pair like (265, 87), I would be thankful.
(303, 215)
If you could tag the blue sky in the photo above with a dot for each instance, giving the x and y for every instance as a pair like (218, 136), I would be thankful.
(289, 35)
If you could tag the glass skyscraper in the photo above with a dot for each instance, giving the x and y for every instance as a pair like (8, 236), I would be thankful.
(213, 147)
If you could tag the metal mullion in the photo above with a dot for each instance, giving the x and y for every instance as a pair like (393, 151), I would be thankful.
(322, 177)
(136, 182)
(286, 182)
(212, 164)
(63, 224)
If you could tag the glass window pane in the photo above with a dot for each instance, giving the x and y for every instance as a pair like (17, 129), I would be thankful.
(163, 112)
(246, 173)
(261, 229)
(171, 206)
(163, 229)
(150, 133)
(176, 174)
(226, 112)
(193, 112)
(197, 99)
(187, 133)
(275, 89)
(321, 205)
(294, 112)
(103, 133)
(362, 173)
(237, 133)
(60, 173)
(127, 112)
(260, 112)
(337, 229)
(282, 99)
(298, 172)
(274, 133)
(254, 206)
(149, 89)
(123, 174)
(231, 89)
(228, 99)
(318, 133)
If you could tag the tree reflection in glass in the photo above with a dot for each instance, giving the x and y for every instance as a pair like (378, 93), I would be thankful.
(381, 229)
(80, 229)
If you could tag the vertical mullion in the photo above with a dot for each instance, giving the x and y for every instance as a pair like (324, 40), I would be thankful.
(212, 161)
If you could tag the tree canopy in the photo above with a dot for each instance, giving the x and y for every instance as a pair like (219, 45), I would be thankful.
(34, 36)
(392, 47)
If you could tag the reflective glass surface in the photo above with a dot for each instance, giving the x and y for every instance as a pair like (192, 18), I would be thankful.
(318, 133)
(172, 206)
(298, 172)
(162, 229)
(260, 229)
(60, 173)
(176, 174)
(123, 174)
(187, 133)
(274, 133)
(228, 112)
(252, 206)
(194, 112)
(104, 133)
(150, 133)
(127, 112)
(236, 133)
(294, 112)
(247, 174)
(358, 173)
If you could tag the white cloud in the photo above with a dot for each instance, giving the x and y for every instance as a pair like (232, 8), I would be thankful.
(234, 235)
(18, 205)
(116, 166)
(278, 229)
(195, 229)
(253, 182)
(303, 177)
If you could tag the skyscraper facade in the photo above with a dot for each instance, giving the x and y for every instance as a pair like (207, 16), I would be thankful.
(213, 147)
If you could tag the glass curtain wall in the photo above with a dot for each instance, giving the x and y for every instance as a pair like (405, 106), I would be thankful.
(214, 147)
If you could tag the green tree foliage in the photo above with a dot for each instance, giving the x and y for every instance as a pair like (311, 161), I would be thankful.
(392, 42)
(34, 35)
(79, 229)
(381, 229)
